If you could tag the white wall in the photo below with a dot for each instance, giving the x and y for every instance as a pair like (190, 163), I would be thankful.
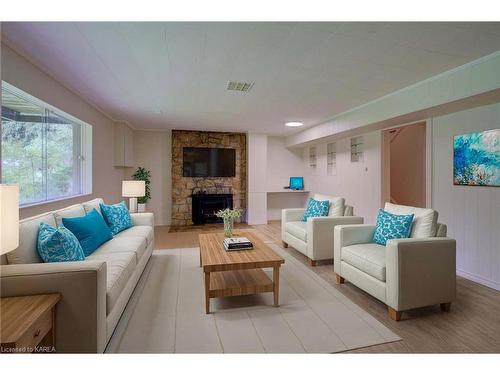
(282, 163)
(256, 178)
(358, 182)
(153, 151)
(21, 73)
(471, 213)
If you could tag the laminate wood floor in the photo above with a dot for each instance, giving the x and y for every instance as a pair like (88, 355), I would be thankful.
(472, 326)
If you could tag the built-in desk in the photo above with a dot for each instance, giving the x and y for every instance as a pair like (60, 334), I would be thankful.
(284, 198)
(288, 191)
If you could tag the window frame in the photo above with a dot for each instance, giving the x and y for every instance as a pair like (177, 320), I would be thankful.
(82, 153)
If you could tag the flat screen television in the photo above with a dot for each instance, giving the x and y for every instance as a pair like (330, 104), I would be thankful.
(208, 162)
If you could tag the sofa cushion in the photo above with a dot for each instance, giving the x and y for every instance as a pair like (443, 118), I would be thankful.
(336, 204)
(369, 258)
(28, 235)
(297, 229)
(136, 245)
(424, 220)
(119, 269)
(138, 231)
(94, 203)
(117, 217)
(58, 245)
(90, 229)
(71, 211)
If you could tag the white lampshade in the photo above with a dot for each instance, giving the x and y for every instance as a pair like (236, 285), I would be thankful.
(9, 218)
(133, 189)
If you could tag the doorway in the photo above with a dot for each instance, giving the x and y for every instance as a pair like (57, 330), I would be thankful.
(404, 165)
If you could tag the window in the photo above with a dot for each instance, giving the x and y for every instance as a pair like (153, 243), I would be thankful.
(44, 150)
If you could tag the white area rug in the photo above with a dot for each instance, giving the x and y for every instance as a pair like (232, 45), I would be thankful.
(166, 314)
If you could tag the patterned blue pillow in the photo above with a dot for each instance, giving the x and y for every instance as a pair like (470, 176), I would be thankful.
(58, 245)
(390, 226)
(316, 208)
(117, 217)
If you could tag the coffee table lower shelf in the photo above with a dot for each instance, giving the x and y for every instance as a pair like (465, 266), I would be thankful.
(240, 283)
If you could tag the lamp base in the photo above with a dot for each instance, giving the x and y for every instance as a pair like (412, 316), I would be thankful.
(132, 205)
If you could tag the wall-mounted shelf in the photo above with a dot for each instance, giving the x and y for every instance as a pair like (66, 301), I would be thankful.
(331, 159)
(357, 144)
(312, 157)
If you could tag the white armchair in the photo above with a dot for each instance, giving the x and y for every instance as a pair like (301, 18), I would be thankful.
(314, 238)
(406, 273)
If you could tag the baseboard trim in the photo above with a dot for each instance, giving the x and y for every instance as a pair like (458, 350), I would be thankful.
(479, 279)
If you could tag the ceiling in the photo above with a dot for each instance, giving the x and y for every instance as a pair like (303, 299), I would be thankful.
(174, 75)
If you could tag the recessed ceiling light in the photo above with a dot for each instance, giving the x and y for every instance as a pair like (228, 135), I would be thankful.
(294, 124)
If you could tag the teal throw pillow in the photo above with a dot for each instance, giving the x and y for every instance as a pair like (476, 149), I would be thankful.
(91, 230)
(58, 244)
(390, 226)
(117, 217)
(316, 208)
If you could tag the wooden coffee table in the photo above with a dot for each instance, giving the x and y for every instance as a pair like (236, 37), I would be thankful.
(237, 273)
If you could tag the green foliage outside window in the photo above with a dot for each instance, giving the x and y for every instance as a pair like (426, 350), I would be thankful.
(38, 157)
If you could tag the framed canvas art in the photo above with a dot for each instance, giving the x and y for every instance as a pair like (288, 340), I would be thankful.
(476, 159)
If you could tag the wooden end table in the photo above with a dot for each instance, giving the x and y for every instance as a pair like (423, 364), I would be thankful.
(28, 323)
(237, 272)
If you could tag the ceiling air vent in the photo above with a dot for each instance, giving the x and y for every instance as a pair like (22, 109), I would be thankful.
(239, 86)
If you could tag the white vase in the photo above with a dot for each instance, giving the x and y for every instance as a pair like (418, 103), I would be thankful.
(141, 207)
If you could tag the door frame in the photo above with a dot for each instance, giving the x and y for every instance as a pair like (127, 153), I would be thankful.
(386, 157)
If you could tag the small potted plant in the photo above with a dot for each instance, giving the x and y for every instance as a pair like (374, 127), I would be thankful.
(142, 174)
(228, 215)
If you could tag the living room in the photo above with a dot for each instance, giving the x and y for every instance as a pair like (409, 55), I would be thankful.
(300, 185)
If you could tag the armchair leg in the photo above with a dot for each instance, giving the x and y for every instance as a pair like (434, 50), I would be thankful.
(312, 262)
(393, 314)
(445, 307)
(340, 279)
(285, 245)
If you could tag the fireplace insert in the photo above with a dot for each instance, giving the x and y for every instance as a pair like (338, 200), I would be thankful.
(204, 207)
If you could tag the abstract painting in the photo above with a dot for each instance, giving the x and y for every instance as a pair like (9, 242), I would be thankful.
(476, 159)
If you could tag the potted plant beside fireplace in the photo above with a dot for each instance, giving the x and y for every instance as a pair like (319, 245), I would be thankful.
(142, 174)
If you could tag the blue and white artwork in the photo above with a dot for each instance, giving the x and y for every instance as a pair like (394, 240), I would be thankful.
(476, 159)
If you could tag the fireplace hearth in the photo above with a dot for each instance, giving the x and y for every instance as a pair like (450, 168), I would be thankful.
(204, 207)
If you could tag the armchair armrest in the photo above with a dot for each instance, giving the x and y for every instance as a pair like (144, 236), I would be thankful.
(143, 218)
(346, 235)
(81, 312)
(354, 234)
(320, 234)
(290, 214)
(420, 272)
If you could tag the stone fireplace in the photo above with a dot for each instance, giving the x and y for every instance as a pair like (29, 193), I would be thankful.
(183, 188)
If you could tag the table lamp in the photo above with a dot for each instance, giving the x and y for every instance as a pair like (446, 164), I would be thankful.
(9, 218)
(133, 190)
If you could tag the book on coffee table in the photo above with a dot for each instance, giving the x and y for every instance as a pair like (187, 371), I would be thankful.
(237, 243)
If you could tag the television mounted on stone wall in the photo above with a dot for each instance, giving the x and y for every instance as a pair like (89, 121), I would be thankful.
(208, 162)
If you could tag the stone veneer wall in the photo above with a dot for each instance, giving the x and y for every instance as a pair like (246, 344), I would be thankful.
(183, 187)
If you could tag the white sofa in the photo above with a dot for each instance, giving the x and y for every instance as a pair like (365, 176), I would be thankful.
(406, 273)
(94, 291)
(314, 238)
